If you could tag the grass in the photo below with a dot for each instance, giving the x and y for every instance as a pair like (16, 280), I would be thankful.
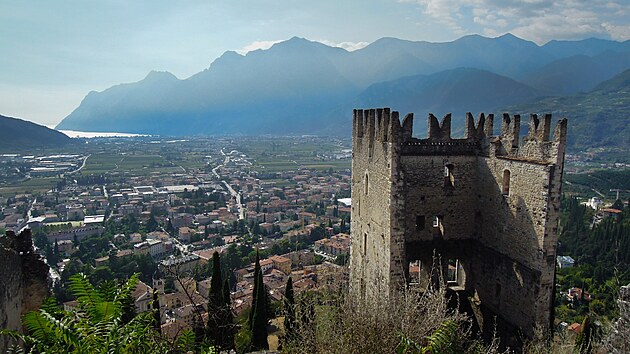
(33, 186)
(134, 164)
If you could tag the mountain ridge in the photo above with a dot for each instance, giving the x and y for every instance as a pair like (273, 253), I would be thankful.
(300, 86)
(17, 134)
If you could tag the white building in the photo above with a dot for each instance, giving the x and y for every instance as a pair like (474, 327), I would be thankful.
(565, 262)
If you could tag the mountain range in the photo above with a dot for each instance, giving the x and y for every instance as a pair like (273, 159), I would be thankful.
(17, 134)
(304, 87)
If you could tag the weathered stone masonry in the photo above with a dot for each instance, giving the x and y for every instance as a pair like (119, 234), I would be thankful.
(486, 204)
(23, 281)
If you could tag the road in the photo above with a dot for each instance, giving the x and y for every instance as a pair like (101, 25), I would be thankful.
(237, 197)
(233, 193)
(82, 165)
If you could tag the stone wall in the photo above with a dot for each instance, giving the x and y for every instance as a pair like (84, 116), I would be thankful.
(23, 281)
(489, 202)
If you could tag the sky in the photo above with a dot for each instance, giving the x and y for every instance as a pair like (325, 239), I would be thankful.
(52, 53)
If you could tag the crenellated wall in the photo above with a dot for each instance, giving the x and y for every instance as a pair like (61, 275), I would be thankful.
(496, 195)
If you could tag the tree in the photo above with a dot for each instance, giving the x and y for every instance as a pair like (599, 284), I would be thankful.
(152, 224)
(255, 291)
(157, 319)
(584, 340)
(227, 318)
(259, 321)
(289, 310)
(215, 302)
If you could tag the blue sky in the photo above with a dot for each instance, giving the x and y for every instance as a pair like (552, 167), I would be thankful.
(54, 52)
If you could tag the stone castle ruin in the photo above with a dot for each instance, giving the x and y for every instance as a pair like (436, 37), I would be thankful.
(485, 207)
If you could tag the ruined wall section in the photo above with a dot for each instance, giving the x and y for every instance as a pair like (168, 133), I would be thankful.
(441, 181)
(376, 261)
(521, 221)
(23, 281)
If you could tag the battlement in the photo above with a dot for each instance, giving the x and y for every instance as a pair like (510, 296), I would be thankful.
(383, 125)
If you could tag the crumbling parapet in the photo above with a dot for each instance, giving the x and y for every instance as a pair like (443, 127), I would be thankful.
(23, 281)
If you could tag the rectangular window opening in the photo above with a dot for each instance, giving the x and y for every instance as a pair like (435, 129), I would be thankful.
(420, 221)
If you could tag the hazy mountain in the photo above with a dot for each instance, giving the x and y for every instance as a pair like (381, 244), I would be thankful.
(597, 118)
(578, 73)
(17, 134)
(457, 91)
(299, 86)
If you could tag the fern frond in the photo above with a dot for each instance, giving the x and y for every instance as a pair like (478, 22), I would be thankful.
(39, 326)
(86, 295)
(443, 340)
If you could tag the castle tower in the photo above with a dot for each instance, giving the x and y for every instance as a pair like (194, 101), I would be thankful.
(487, 205)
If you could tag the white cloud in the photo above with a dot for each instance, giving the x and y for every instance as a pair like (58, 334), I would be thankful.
(257, 45)
(349, 46)
(537, 20)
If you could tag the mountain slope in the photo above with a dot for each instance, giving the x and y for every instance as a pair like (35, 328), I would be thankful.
(304, 87)
(598, 118)
(17, 134)
(457, 91)
(579, 73)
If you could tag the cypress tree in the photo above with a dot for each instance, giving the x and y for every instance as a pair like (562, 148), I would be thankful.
(228, 318)
(215, 302)
(259, 323)
(255, 292)
(289, 310)
(157, 320)
(584, 340)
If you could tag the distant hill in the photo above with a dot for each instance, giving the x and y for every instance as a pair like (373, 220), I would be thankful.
(304, 87)
(457, 91)
(578, 73)
(598, 118)
(17, 134)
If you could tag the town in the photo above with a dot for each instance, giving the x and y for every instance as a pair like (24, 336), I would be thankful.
(109, 215)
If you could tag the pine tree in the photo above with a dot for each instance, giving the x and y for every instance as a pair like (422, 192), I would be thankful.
(289, 310)
(228, 318)
(259, 323)
(215, 302)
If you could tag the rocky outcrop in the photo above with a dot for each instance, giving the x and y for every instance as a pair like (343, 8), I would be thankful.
(23, 281)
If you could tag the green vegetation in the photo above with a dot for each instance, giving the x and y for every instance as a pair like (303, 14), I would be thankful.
(259, 319)
(101, 324)
(220, 327)
(128, 163)
(596, 119)
(601, 181)
(29, 186)
(602, 255)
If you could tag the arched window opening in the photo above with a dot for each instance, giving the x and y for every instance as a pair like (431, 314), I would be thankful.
(506, 182)
(366, 185)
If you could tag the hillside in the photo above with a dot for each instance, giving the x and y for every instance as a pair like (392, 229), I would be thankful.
(598, 118)
(16, 134)
(304, 87)
(457, 91)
